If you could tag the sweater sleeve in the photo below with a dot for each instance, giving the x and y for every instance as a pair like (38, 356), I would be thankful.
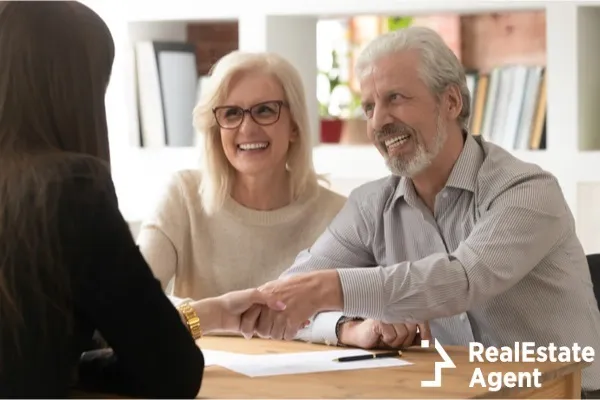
(151, 352)
(160, 253)
(161, 236)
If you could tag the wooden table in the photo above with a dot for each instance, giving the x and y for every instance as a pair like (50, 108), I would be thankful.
(559, 380)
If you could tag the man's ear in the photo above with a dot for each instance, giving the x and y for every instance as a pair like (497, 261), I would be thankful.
(453, 103)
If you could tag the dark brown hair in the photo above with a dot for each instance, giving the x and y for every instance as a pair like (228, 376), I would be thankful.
(55, 64)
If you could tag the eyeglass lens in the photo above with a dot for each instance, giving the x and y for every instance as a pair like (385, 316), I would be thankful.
(266, 113)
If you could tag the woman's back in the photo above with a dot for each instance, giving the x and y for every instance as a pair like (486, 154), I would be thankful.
(68, 263)
(70, 267)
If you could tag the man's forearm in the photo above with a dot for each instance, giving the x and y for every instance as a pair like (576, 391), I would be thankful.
(422, 290)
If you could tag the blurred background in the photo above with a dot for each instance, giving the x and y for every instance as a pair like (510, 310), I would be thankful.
(532, 68)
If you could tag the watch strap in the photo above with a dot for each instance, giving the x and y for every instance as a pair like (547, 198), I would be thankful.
(191, 319)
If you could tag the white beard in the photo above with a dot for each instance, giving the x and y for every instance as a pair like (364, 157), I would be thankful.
(409, 167)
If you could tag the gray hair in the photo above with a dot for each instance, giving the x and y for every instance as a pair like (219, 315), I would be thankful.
(439, 65)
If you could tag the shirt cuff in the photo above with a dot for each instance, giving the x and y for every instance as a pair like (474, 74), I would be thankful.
(321, 329)
(363, 291)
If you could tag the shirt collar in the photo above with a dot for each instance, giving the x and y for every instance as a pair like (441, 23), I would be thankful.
(463, 174)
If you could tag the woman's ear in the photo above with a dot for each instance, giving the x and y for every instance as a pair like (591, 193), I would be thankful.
(295, 133)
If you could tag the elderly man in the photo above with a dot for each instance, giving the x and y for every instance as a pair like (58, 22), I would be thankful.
(462, 234)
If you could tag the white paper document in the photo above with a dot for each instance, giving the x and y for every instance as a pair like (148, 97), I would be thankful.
(297, 363)
(221, 358)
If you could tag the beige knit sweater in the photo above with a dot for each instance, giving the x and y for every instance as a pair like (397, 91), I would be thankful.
(237, 248)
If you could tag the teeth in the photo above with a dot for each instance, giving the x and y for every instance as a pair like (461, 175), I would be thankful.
(253, 146)
(396, 141)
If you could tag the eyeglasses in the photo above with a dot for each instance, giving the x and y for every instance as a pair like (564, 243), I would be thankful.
(265, 113)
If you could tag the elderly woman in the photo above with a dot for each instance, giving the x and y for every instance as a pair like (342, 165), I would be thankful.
(241, 219)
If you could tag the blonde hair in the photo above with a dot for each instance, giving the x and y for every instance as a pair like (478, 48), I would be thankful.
(217, 172)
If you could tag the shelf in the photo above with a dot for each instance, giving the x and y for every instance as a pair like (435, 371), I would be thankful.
(572, 60)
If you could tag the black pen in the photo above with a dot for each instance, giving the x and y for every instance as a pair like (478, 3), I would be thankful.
(397, 353)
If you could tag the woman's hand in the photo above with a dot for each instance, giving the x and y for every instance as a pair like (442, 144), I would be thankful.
(234, 304)
(223, 313)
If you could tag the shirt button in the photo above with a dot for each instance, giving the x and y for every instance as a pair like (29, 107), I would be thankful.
(444, 194)
(327, 343)
(463, 317)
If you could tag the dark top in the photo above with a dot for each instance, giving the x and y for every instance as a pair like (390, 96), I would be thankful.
(114, 293)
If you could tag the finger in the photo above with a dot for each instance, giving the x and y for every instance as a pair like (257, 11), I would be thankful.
(265, 321)
(249, 320)
(291, 331)
(278, 327)
(268, 299)
(267, 287)
(424, 333)
(401, 332)
(388, 334)
(376, 337)
(411, 333)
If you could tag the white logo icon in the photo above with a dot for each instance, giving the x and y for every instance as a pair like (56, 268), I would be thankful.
(439, 365)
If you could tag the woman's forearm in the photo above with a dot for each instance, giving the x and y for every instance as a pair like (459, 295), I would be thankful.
(209, 313)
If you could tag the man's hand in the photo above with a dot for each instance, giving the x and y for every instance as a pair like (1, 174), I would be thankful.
(371, 334)
(304, 296)
(225, 312)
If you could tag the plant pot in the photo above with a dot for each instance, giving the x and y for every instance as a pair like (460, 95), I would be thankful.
(331, 130)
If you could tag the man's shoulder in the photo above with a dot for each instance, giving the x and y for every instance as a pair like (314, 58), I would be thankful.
(501, 171)
(376, 191)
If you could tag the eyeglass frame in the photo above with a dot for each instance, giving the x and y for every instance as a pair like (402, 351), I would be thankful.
(248, 111)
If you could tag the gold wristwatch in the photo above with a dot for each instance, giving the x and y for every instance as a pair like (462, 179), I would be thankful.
(191, 319)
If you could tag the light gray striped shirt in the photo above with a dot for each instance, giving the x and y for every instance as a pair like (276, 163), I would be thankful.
(497, 262)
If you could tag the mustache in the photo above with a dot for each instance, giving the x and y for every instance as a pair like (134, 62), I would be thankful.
(393, 129)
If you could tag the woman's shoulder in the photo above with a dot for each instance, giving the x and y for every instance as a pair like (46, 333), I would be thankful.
(329, 195)
(330, 200)
(177, 196)
(187, 180)
(66, 166)
(79, 173)
(182, 186)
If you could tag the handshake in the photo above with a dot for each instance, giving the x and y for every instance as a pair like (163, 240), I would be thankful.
(279, 309)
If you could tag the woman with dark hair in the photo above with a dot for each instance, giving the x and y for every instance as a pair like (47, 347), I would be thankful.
(68, 262)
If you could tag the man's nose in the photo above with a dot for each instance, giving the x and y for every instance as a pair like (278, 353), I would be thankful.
(381, 117)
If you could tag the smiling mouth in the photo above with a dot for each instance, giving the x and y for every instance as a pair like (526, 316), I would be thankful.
(256, 146)
(396, 141)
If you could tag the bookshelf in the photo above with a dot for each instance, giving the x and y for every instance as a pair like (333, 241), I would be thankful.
(572, 59)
